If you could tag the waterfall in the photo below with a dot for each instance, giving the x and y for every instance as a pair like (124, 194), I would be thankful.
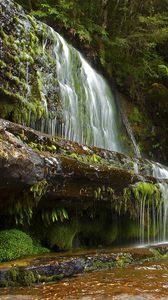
(153, 214)
(58, 91)
(161, 172)
(89, 112)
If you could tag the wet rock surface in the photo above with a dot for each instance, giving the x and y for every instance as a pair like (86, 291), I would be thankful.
(65, 170)
(57, 266)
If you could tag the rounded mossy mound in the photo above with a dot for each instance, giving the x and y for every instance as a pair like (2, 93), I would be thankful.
(15, 244)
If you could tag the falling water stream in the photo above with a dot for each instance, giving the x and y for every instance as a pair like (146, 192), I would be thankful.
(153, 216)
(89, 112)
(161, 172)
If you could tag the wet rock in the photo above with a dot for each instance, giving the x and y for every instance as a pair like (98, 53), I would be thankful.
(51, 268)
(61, 170)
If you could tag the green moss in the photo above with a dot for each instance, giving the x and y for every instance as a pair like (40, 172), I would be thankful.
(104, 192)
(16, 59)
(16, 20)
(50, 278)
(8, 75)
(143, 191)
(5, 110)
(95, 158)
(74, 155)
(22, 215)
(109, 234)
(130, 230)
(98, 265)
(136, 116)
(3, 65)
(38, 249)
(14, 244)
(123, 259)
(62, 235)
(52, 148)
(33, 22)
(20, 277)
(147, 191)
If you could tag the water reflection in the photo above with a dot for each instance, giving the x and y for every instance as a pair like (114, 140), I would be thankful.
(149, 281)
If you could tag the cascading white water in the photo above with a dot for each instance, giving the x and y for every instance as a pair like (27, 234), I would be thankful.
(163, 234)
(161, 172)
(154, 216)
(89, 112)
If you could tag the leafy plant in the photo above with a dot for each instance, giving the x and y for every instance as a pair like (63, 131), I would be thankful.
(39, 189)
(51, 216)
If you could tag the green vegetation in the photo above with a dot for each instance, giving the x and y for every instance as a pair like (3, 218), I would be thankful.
(15, 244)
(121, 261)
(143, 191)
(54, 215)
(39, 189)
(18, 277)
(129, 40)
(61, 235)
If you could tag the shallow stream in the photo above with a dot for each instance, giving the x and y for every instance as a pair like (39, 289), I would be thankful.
(146, 281)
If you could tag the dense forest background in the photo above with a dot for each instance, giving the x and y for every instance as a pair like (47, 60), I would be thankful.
(128, 41)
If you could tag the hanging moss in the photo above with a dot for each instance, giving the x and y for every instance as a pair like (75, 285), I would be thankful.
(147, 191)
(143, 191)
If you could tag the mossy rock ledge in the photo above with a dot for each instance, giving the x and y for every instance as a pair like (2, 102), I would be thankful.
(46, 172)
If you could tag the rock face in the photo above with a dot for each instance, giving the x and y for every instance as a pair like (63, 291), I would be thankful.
(42, 174)
(24, 64)
(68, 170)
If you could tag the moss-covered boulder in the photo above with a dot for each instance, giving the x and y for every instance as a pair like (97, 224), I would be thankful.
(14, 244)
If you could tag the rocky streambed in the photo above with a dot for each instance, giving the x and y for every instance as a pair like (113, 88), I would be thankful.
(56, 266)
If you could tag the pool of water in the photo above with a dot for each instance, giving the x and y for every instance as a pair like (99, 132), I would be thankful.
(146, 281)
